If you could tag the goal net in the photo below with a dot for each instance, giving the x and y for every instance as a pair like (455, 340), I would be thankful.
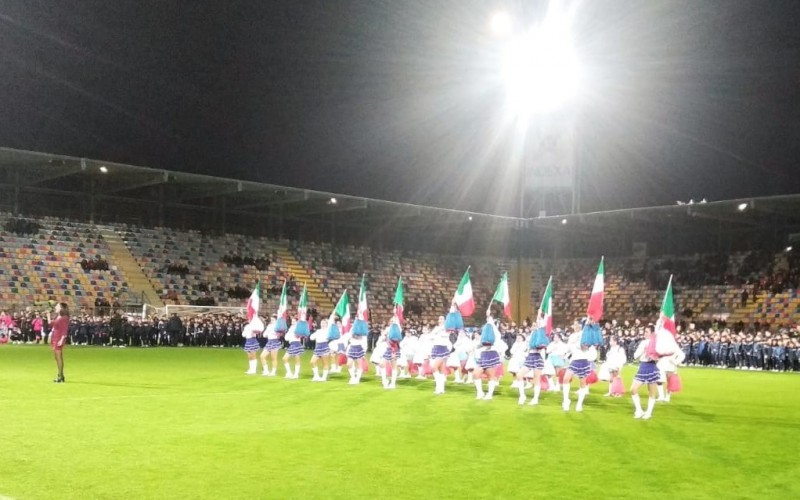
(148, 311)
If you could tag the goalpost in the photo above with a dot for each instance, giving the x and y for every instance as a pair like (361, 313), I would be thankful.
(183, 311)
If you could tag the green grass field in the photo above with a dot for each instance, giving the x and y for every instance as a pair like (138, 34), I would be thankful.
(187, 423)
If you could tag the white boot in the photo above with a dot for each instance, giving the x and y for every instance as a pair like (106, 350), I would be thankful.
(582, 392)
(637, 406)
(490, 393)
(479, 388)
(536, 391)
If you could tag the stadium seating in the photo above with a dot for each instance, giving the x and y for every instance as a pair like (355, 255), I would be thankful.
(46, 266)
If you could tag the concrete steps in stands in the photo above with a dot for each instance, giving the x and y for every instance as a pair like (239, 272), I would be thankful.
(316, 296)
(122, 257)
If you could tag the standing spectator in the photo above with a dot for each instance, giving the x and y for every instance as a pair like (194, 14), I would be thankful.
(60, 328)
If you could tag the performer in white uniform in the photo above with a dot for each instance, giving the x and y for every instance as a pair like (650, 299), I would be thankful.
(580, 365)
(271, 349)
(440, 350)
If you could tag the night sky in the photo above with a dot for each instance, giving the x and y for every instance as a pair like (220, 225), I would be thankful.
(400, 100)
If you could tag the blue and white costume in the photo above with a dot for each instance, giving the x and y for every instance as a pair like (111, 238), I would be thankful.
(274, 341)
(440, 340)
(295, 345)
(648, 371)
(251, 338)
(580, 357)
(320, 337)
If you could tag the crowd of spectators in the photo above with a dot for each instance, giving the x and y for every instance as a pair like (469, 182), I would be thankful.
(179, 269)
(22, 227)
(96, 264)
(260, 263)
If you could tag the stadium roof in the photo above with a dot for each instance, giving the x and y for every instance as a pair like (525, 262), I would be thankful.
(87, 186)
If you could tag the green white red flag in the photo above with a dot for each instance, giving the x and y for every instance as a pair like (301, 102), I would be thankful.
(595, 310)
(254, 302)
(501, 295)
(463, 298)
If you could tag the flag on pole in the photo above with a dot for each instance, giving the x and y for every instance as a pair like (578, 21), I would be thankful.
(254, 302)
(398, 301)
(666, 319)
(301, 327)
(360, 326)
(343, 311)
(463, 298)
(544, 319)
(283, 308)
(595, 309)
(665, 339)
(501, 295)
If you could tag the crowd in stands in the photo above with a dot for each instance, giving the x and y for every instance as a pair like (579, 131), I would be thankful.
(179, 269)
(96, 264)
(260, 263)
(22, 227)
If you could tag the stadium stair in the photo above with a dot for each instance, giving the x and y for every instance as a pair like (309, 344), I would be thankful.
(137, 281)
(316, 296)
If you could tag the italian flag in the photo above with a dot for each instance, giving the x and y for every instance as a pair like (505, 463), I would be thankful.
(283, 305)
(463, 297)
(501, 295)
(666, 319)
(343, 311)
(398, 301)
(595, 310)
(254, 302)
(362, 312)
(544, 318)
(302, 308)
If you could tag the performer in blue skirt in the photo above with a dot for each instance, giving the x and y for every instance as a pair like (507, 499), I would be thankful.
(271, 348)
(489, 361)
(440, 339)
(647, 374)
(295, 351)
(356, 350)
(580, 365)
(321, 351)
(394, 335)
(250, 333)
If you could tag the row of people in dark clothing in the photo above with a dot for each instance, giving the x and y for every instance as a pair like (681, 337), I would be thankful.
(721, 349)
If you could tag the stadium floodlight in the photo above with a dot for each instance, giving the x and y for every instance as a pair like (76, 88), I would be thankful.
(540, 67)
(742, 207)
(501, 24)
(103, 169)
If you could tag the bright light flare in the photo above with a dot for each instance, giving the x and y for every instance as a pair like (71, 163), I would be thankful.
(501, 24)
(104, 169)
(540, 67)
(742, 207)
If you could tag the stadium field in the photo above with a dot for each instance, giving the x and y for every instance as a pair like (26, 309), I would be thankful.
(187, 423)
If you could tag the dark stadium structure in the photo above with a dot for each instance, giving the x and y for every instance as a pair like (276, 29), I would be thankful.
(38, 184)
